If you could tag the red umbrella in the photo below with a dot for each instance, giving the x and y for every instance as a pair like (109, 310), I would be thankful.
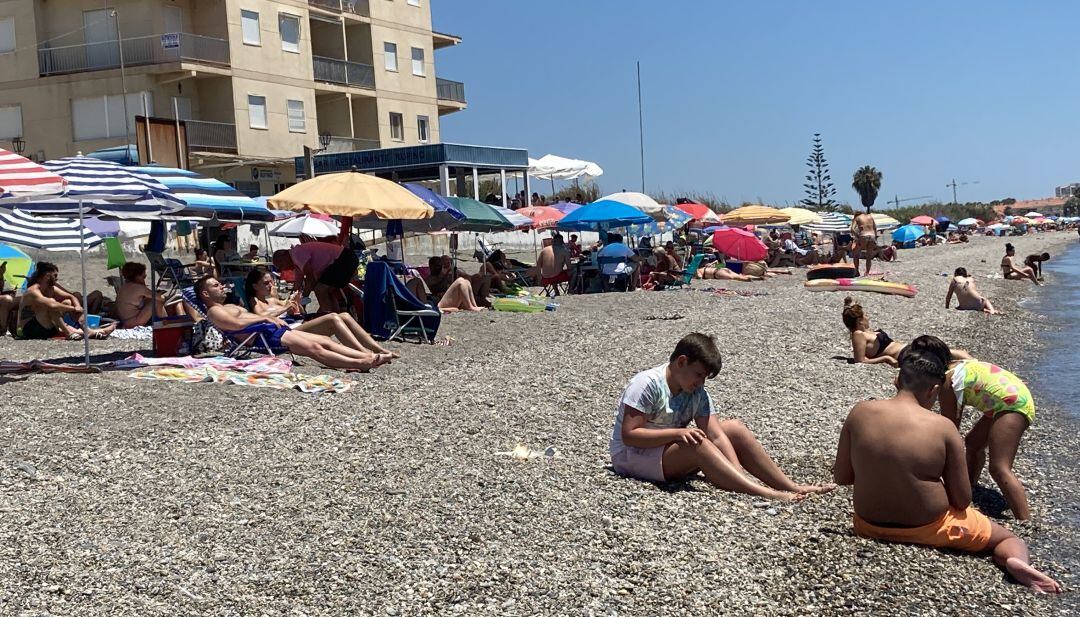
(700, 212)
(923, 220)
(739, 244)
(542, 216)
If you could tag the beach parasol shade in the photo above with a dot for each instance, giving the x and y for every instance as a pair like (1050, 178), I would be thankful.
(832, 222)
(641, 201)
(754, 215)
(101, 188)
(306, 225)
(739, 244)
(604, 214)
(207, 198)
(18, 265)
(566, 207)
(542, 217)
(801, 216)
(1034, 215)
(479, 216)
(445, 215)
(45, 232)
(923, 219)
(884, 221)
(674, 218)
(352, 193)
(22, 179)
(519, 221)
(908, 233)
(698, 212)
(969, 222)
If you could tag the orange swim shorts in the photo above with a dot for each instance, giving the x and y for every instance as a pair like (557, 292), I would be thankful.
(965, 530)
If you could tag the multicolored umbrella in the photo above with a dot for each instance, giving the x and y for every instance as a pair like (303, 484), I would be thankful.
(542, 217)
(207, 198)
(674, 218)
(45, 232)
(640, 201)
(832, 222)
(885, 222)
(566, 207)
(699, 211)
(739, 244)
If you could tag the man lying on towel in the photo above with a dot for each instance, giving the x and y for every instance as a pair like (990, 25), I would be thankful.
(238, 322)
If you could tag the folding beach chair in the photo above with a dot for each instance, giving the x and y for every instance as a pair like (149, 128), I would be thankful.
(238, 344)
(170, 272)
(690, 271)
(392, 311)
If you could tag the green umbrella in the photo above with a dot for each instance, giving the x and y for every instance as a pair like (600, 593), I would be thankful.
(478, 216)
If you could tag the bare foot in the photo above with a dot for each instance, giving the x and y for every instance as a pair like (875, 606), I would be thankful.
(476, 309)
(381, 359)
(449, 310)
(786, 496)
(1030, 577)
(815, 489)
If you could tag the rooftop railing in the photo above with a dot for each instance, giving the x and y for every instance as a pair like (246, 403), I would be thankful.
(137, 51)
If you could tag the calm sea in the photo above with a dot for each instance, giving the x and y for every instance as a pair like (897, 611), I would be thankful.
(1058, 368)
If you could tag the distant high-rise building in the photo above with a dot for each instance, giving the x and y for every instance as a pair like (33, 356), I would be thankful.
(1067, 190)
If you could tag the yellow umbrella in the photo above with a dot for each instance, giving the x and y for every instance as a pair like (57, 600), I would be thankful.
(801, 216)
(352, 194)
(754, 215)
(884, 221)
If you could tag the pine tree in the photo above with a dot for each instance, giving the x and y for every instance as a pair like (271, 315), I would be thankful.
(819, 187)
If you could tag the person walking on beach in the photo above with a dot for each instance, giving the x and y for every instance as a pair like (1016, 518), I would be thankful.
(906, 464)
(651, 439)
(1010, 270)
(967, 296)
(1008, 410)
(864, 232)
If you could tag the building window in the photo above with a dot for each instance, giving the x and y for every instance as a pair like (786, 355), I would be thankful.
(390, 56)
(297, 122)
(7, 35)
(289, 27)
(397, 126)
(418, 61)
(256, 111)
(98, 117)
(249, 26)
(11, 122)
(422, 129)
(413, 2)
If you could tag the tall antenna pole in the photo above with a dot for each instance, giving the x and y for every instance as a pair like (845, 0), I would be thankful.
(123, 84)
(641, 127)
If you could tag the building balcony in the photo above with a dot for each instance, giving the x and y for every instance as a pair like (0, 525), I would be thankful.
(350, 144)
(137, 51)
(450, 95)
(343, 73)
(441, 39)
(210, 136)
(354, 7)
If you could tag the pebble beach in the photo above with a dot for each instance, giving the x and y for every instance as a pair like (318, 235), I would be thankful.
(126, 497)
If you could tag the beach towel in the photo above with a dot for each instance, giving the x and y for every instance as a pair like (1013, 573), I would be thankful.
(138, 333)
(310, 384)
(722, 292)
(262, 364)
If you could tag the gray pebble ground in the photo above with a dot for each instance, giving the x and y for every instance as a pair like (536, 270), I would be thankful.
(125, 497)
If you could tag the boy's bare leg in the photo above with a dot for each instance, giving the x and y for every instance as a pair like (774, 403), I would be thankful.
(681, 460)
(856, 250)
(753, 457)
(975, 443)
(1005, 434)
(1011, 555)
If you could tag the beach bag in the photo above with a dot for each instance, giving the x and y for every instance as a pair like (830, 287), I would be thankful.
(754, 268)
(205, 338)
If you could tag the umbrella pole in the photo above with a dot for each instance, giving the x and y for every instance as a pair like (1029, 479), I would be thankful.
(82, 268)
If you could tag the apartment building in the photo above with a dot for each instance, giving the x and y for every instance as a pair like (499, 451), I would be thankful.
(254, 81)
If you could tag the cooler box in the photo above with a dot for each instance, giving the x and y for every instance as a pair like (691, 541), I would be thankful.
(172, 339)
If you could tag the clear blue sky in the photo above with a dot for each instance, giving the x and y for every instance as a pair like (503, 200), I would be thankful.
(733, 91)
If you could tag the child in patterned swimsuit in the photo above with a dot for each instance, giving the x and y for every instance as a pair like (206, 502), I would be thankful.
(1008, 410)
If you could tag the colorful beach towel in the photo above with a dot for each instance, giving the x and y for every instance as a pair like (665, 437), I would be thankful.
(262, 364)
(311, 384)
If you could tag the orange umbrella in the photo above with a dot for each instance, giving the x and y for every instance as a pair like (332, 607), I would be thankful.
(542, 217)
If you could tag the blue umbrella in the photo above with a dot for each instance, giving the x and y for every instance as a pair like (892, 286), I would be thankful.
(446, 215)
(207, 198)
(908, 233)
(602, 215)
(674, 218)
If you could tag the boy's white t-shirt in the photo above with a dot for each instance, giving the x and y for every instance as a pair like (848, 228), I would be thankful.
(648, 393)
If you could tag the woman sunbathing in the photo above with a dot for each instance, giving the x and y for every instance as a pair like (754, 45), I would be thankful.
(876, 346)
(725, 274)
(450, 293)
(258, 289)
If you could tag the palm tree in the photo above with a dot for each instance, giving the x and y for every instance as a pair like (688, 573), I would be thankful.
(867, 183)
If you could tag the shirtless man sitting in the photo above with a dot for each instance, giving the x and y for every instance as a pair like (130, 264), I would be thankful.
(135, 305)
(967, 296)
(1010, 270)
(231, 318)
(43, 306)
(910, 473)
(864, 242)
(553, 263)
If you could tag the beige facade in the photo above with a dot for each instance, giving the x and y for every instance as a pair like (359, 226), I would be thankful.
(254, 80)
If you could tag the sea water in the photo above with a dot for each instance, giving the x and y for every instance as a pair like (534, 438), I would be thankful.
(1058, 367)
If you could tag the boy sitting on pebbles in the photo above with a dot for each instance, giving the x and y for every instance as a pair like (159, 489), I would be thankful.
(652, 441)
(910, 474)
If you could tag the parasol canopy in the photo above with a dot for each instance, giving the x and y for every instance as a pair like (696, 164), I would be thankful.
(604, 214)
(306, 225)
(352, 193)
(754, 215)
(801, 216)
(908, 233)
(739, 244)
(923, 219)
(641, 201)
(542, 217)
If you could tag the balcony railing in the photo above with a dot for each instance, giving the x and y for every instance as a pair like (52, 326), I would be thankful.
(356, 7)
(210, 136)
(138, 51)
(448, 90)
(350, 144)
(336, 71)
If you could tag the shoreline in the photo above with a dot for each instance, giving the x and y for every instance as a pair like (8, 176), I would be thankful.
(392, 497)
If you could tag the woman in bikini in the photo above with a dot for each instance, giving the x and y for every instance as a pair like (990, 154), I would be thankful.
(967, 296)
(1008, 410)
(875, 346)
(258, 289)
(1009, 269)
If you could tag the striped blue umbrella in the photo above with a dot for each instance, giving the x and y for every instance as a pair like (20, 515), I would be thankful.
(832, 222)
(207, 198)
(45, 232)
(102, 188)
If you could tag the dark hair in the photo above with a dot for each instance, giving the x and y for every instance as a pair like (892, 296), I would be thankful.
(253, 246)
(1045, 256)
(960, 272)
(497, 257)
(200, 250)
(254, 276)
(43, 268)
(699, 348)
(1009, 247)
(614, 238)
(434, 264)
(852, 313)
(200, 286)
(132, 269)
(923, 363)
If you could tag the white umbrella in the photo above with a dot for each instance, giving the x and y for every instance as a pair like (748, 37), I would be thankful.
(1034, 215)
(553, 167)
(640, 201)
(306, 225)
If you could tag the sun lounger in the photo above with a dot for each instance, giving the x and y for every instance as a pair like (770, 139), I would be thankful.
(239, 343)
(690, 271)
(392, 311)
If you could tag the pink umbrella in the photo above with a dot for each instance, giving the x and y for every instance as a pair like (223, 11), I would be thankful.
(543, 217)
(739, 244)
(923, 220)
